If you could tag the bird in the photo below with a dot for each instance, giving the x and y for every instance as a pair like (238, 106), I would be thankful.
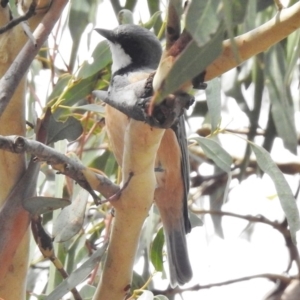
(136, 53)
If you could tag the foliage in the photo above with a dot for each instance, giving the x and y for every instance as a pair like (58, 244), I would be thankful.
(262, 89)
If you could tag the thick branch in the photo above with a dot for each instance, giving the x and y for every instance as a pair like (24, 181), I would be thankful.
(14, 74)
(255, 41)
(14, 220)
(14, 22)
(249, 44)
(86, 178)
(141, 145)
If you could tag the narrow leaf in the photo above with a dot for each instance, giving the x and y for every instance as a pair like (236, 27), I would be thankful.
(42, 205)
(151, 23)
(71, 129)
(156, 253)
(101, 57)
(214, 151)
(78, 275)
(282, 107)
(213, 93)
(192, 61)
(285, 195)
(70, 220)
(202, 20)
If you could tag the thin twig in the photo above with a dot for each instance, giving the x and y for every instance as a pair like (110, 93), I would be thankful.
(197, 287)
(14, 22)
(19, 67)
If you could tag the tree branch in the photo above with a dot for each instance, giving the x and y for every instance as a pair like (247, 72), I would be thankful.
(14, 22)
(273, 277)
(281, 227)
(86, 178)
(260, 39)
(141, 145)
(18, 69)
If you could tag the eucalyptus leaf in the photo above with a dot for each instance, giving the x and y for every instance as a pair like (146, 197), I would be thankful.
(61, 84)
(101, 57)
(156, 252)
(78, 20)
(213, 93)
(215, 152)
(151, 23)
(71, 129)
(195, 220)
(87, 292)
(284, 192)
(202, 20)
(75, 91)
(282, 107)
(41, 205)
(78, 275)
(263, 4)
(70, 220)
(192, 61)
(235, 11)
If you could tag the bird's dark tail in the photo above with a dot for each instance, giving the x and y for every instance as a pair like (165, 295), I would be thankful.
(178, 258)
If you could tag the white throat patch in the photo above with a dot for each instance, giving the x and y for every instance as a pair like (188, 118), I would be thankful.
(119, 57)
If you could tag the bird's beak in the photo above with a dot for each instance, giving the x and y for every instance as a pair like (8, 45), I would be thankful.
(108, 34)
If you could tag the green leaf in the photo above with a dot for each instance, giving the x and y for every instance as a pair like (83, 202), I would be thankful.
(75, 91)
(213, 93)
(151, 23)
(285, 195)
(78, 275)
(78, 20)
(41, 205)
(87, 292)
(195, 220)
(261, 5)
(214, 151)
(282, 107)
(61, 84)
(101, 57)
(293, 49)
(70, 220)
(156, 252)
(70, 129)
(235, 11)
(192, 61)
(202, 20)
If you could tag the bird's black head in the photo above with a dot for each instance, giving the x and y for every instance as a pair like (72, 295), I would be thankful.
(133, 47)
